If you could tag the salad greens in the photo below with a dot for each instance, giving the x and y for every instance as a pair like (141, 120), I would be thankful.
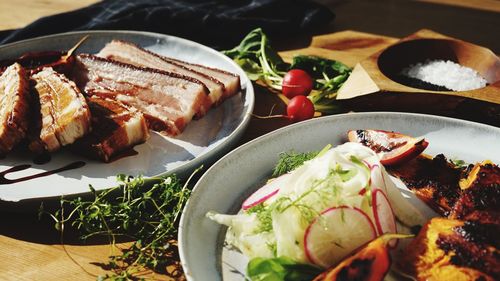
(317, 208)
(333, 177)
(144, 210)
(261, 63)
(257, 58)
(280, 269)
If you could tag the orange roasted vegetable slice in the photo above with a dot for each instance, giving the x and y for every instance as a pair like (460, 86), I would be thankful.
(370, 263)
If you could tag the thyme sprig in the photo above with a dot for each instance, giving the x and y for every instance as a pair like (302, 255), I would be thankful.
(143, 210)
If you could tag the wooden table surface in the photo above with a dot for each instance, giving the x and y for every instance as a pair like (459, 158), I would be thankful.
(30, 249)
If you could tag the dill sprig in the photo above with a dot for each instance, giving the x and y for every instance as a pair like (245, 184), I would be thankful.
(289, 161)
(264, 216)
(143, 210)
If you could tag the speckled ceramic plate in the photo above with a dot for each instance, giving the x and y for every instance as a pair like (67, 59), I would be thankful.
(228, 182)
(203, 140)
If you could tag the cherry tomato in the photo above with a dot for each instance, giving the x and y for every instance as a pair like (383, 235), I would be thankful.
(296, 83)
(300, 108)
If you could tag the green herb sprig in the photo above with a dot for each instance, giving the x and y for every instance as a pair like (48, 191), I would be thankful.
(262, 63)
(256, 56)
(289, 161)
(143, 210)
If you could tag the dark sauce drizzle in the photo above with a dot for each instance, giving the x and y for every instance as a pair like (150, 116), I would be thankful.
(3, 180)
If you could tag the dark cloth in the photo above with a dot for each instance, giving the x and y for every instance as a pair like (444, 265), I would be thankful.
(219, 24)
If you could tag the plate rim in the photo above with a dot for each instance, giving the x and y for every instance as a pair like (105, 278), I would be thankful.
(248, 93)
(182, 232)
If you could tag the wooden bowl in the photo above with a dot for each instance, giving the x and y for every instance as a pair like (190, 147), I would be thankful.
(376, 81)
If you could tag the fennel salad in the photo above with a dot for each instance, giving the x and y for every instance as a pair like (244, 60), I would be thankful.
(320, 211)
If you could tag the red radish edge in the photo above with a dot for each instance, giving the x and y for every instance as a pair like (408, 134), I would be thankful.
(372, 167)
(381, 175)
(308, 229)
(407, 154)
(246, 206)
(380, 231)
(368, 164)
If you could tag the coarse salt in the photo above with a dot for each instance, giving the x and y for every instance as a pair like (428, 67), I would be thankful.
(447, 74)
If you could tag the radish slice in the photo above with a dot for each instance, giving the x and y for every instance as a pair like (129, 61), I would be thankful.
(336, 233)
(264, 193)
(377, 178)
(383, 214)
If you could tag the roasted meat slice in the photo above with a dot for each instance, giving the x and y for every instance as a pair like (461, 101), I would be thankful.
(481, 174)
(115, 128)
(481, 203)
(230, 80)
(447, 249)
(168, 101)
(433, 180)
(14, 107)
(130, 53)
(33, 60)
(480, 196)
(64, 115)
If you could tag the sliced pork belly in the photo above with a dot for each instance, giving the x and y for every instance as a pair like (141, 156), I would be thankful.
(168, 101)
(230, 80)
(64, 114)
(14, 107)
(132, 54)
(115, 128)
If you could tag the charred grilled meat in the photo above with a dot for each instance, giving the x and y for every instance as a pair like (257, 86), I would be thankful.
(448, 249)
(480, 196)
(433, 180)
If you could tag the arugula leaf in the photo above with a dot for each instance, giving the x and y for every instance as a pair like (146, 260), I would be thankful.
(318, 67)
(280, 269)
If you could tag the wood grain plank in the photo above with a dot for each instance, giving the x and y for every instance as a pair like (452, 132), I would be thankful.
(22, 13)
(486, 5)
(350, 40)
(33, 261)
(349, 47)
